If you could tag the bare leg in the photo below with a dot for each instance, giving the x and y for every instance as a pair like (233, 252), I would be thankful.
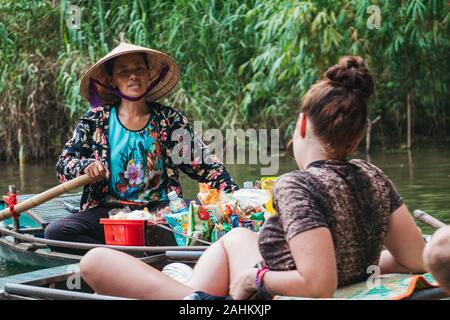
(115, 273)
(211, 271)
(225, 260)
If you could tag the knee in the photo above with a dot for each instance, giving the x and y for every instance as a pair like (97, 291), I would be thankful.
(92, 263)
(53, 232)
(437, 257)
(240, 233)
(237, 235)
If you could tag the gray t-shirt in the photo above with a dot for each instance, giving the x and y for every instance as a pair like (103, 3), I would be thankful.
(353, 199)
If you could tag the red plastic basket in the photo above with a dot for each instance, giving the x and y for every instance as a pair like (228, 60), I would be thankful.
(124, 232)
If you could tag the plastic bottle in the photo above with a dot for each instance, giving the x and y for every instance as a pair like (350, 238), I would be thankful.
(176, 203)
(248, 185)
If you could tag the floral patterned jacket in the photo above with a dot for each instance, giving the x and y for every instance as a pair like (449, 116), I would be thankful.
(90, 143)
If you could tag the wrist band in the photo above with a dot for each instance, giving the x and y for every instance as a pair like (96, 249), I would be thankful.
(262, 291)
(259, 276)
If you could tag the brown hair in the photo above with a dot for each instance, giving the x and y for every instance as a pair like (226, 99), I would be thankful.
(337, 107)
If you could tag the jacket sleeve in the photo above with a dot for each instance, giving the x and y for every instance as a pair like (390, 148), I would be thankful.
(189, 153)
(76, 154)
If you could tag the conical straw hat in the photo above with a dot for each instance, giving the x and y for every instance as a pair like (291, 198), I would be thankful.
(157, 61)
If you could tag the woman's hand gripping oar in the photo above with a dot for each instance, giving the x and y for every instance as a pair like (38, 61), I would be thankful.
(45, 196)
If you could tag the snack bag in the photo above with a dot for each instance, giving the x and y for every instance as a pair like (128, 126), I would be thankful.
(251, 201)
(178, 222)
(258, 220)
(204, 189)
(208, 196)
(220, 212)
(139, 215)
(158, 216)
(119, 213)
(267, 184)
(219, 231)
(199, 224)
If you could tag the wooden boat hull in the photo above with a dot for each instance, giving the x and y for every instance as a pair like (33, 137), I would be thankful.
(27, 248)
(64, 282)
(41, 258)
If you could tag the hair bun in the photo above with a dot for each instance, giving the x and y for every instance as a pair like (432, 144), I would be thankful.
(351, 72)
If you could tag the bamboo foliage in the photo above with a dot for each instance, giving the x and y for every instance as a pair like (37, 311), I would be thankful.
(244, 63)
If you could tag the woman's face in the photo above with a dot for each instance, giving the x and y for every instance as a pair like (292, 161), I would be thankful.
(130, 75)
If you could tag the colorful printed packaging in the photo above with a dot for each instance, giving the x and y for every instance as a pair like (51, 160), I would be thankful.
(219, 231)
(178, 222)
(199, 225)
(267, 184)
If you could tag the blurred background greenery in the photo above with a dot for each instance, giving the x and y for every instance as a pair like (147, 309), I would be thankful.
(244, 63)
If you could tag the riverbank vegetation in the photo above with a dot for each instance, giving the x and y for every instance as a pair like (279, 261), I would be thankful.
(244, 63)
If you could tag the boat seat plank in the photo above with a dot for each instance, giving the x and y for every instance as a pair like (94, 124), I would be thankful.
(50, 210)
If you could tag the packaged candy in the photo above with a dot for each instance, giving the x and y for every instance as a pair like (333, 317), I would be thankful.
(219, 212)
(208, 196)
(234, 221)
(267, 184)
(178, 222)
(119, 213)
(249, 224)
(199, 225)
(220, 229)
(257, 224)
(257, 216)
(251, 200)
(211, 196)
(158, 216)
(203, 191)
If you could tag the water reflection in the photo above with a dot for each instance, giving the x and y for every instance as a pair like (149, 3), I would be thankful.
(411, 166)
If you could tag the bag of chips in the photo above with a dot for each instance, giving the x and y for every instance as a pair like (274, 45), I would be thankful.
(220, 229)
(208, 196)
(178, 222)
(199, 225)
(251, 201)
(267, 184)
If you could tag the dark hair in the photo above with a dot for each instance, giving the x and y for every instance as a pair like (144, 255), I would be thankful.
(337, 104)
(109, 64)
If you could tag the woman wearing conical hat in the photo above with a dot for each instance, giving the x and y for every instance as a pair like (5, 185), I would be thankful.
(131, 146)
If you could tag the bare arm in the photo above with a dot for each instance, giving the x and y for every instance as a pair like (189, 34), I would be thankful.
(404, 244)
(316, 274)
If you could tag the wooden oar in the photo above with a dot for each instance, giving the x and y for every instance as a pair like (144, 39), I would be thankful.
(46, 196)
(428, 219)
